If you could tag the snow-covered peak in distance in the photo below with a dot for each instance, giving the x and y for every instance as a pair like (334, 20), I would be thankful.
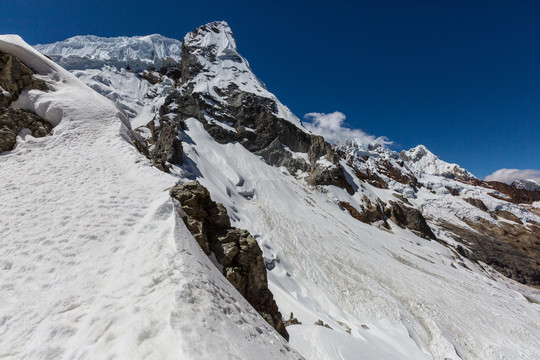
(92, 52)
(423, 161)
(527, 184)
(213, 65)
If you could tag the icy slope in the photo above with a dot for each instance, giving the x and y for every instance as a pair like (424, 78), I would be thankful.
(92, 52)
(137, 97)
(403, 297)
(95, 261)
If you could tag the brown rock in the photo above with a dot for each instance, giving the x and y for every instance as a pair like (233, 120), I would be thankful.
(12, 121)
(235, 249)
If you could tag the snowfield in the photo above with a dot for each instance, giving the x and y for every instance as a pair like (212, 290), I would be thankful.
(95, 262)
(403, 297)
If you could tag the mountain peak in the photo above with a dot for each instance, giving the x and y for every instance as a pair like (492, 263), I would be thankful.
(422, 161)
(212, 65)
(210, 54)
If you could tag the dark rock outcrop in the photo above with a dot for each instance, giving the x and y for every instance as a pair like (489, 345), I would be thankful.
(512, 249)
(513, 194)
(16, 77)
(477, 203)
(402, 215)
(369, 213)
(166, 145)
(410, 218)
(235, 249)
(13, 121)
(292, 321)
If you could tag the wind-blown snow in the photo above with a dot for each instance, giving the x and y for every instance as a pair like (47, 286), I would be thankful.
(95, 262)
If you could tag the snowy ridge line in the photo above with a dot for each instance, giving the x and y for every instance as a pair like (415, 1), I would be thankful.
(112, 272)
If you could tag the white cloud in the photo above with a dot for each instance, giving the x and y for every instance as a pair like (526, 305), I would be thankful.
(332, 127)
(510, 175)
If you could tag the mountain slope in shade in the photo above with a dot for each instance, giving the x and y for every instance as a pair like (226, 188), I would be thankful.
(392, 259)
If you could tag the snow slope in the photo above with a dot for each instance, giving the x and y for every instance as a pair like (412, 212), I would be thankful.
(402, 297)
(95, 262)
(139, 99)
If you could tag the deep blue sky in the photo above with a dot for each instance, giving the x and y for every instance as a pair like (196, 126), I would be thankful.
(461, 77)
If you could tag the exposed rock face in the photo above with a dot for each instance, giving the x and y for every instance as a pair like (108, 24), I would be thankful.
(235, 249)
(369, 214)
(13, 121)
(512, 249)
(410, 218)
(232, 113)
(515, 195)
(14, 78)
(477, 202)
(402, 215)
(167, 146)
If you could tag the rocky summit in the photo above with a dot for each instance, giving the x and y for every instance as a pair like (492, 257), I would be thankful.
(160, 202)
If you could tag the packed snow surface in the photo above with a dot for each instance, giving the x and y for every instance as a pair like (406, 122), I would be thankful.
(95, 262)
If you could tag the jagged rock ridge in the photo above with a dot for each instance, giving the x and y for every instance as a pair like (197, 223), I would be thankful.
(219, 89)
(235, 250)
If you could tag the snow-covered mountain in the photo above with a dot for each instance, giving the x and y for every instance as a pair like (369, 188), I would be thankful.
(423, 161)
(527, 184)
(369, 253)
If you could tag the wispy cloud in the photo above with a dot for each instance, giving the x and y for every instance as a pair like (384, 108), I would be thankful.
(510, 175)
(333, 128)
